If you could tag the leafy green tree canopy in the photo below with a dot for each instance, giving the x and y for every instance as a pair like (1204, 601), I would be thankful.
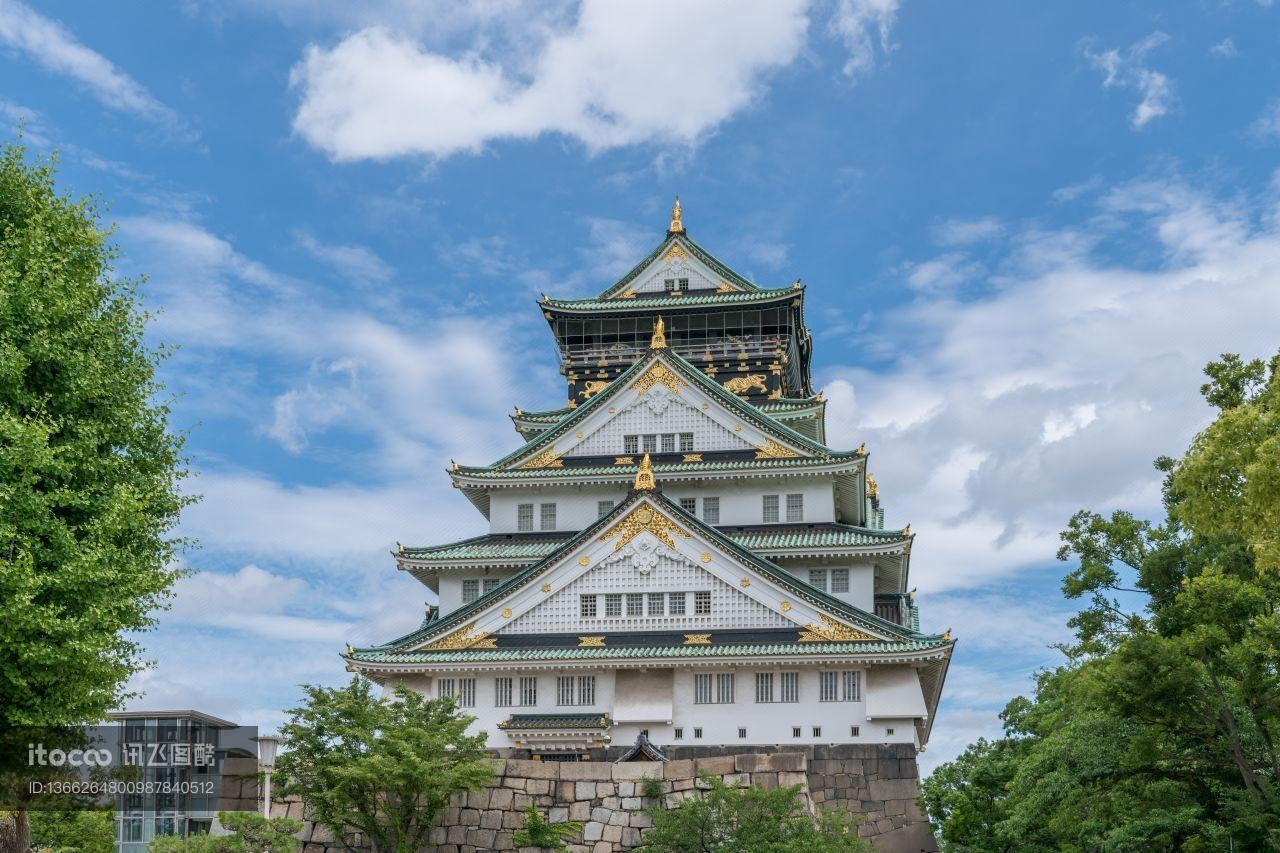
(250, 833)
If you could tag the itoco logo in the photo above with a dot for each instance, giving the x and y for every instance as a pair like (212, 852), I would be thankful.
(37, 755)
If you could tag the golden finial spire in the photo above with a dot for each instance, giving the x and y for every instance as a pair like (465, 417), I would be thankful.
(677, 218)
(659, 339)
(644, 477)
(872, 488)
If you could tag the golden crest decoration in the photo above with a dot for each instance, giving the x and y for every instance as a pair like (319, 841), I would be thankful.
(831, 631)
(644, 519)
(659, 373)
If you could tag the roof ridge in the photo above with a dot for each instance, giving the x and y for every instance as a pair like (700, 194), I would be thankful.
(698, 251)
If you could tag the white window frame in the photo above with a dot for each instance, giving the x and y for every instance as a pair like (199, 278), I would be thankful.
(764, 687)
(502, 692)
(769, 509)
(588, 606)
(547, 516)
(711, 510)
(702, 602)
(795, 507)
(839, 580)
(528, 691)
(524, 518)
(818, 579)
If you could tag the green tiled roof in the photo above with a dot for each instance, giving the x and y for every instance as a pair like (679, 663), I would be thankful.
(669, 468)
(785, 404)
(498, 546)
(629, 652)
(584, 720)
(697, 251)
(662, 300)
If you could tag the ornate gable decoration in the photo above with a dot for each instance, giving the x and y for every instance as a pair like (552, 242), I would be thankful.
(644, 519)
(546, 459)
(463, 638)
(831, 631)
(658, 372)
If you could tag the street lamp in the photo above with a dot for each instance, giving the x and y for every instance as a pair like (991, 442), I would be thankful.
(267, 745)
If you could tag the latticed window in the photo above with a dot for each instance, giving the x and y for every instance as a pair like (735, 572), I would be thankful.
(711, 510)
(564, 690)
(603, 508)
(770, 512)
(613, 604)
(586, 689)
(829, 686)
(686, 442)
(446, 687)
(587, 606)
(675, 603)
(689, 505)
(682, 284)
(702, 686)
(668, 442)
(839, 580)
(548, 516)
(502, 692)
(490, 584)
(524, 517)
(467, 692)
(764, 686)
(818, 578)
(650, 442)
(631, 444)
(795, 507)
(790, 684)
(635, 604)
(656, 604)
(702, 602)
(470, 590)
(841, 686)
(852, 686)
(529, 691)
(724, 688)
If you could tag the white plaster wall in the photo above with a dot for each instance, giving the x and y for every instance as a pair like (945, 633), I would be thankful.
(740, 500)
(894, 691)
(451, 585)
(862, 580)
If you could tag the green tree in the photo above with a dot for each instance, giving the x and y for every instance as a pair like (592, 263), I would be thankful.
(89, 468)
(250, 833)
(728, 819)
(382, 768)
(73, 830)
(1159, 731)
(538, 832)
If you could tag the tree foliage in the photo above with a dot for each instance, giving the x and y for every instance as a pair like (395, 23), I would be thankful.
(382, 768)
(250, 833)
(73, 830)
(89, 468)
(727, 819)
(539, 832)
(1159, 730)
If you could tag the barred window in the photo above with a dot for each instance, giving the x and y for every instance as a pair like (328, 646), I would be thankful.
(467, 692)
(795, 507)
(587, 606)
(770, 509)
(686, 442)
(840, 686)
(470, 590)
(702, 602)
(675, 603)
(852, 686)
(446, 687)
(724, 688)
(524, 517)
(548, 516)
(586, 689)
(635, 604)
(502, 692)
(795, 731)
(707, 691)
(679, 733)
(817, 731)
(764, 686)
(668, 442)
(631, 444)
(702, 689)
(854, 731)
(839, 580)
(613, 604)
(697, 731)
(603, 508)
(682, 284)
(829, 686)
(564, 690)
(689, 505)
(818, 578)
(529, 691)
(790, 687)
(711, 510)
(656, 604)
(742, 732)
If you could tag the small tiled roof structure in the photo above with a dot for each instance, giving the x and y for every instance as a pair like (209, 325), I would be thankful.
(641, 751)
(568, 722)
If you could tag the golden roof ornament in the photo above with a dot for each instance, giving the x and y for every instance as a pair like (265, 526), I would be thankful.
(644, 476)
(906, 531)
(350, 651)
(677, 218)
(659, 339)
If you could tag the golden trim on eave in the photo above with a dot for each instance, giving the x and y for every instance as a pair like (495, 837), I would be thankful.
(832, 631)
(463, 638)
(773, 450)
(546, 459)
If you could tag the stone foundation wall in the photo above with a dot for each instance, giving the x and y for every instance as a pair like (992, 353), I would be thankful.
(876, 782)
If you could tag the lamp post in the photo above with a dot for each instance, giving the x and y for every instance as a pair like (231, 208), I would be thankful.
(267, 745)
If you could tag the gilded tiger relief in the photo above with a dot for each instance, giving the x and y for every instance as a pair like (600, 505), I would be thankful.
(594, 386)
(743, 384)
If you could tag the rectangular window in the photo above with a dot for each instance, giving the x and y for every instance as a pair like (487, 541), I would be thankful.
(795, 731)
(669, 283)
(603, 508)
(630, 444)
(795, 507)
(697, 732)
(548, 516)
(502, 692)
(702, 689)
(689, 505)
(683, 284)
(524, 517)
(742, 732)
(675, 603)
(790, 683)
(724, 688)
(839, 580)
(635, 604)
(467, 692)
(490, 584)
(564, 690)
(668, 442)
(686, 442)
(770, 509)
(817, 731)
(818, 579)
(587, 606)
(702, 602)
(446, 687)
(470, 590)
(613, 604)
(854, 731)
(711, 510)
(852, 684)
(657, 602)
(650, 443)
(679, 733)
(586, 689)
(888, 731)
(764, 686)
(529, 691)
(829, 686)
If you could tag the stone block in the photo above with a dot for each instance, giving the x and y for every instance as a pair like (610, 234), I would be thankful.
(678, 769)
(469, 817)
(619, 818)
(491, 819)
(602, 847)
(893, 789)
(515, 783)
(612, 834)
(641, 820)
(606, 789)
(457, 835)
(682, 784)
(536, 769)
(611, 803)
(539, 786)
(633, 770)
(632, 803)
(520, 802)
(717, 765)
(600, 815)
(586, 771)
(592, 831)
(626, 789)
(584, 791)
(789, 761)
(482, 838)
(579, 811)
(768, 781)
(630, 838)
(501, 798)
(895, 807)
(787, 779)
(559, 814)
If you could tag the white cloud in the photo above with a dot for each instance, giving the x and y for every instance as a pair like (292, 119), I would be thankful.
(944, 272)
(358, 264)
(49, 44)
(864, 26)
(615, 76)
(966, 232)
(1267, 126)
(1053, 391)
(1225, 49)
(1127, 70)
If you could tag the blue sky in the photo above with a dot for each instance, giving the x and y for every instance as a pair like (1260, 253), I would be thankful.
(1023, 229)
